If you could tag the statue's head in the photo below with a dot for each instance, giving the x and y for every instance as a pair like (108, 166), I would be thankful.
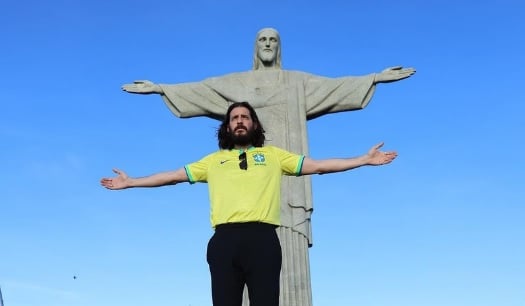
(253, 132)
(267, 53)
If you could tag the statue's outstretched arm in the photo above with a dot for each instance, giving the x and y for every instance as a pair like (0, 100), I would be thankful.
(393, 74)
(144, 87)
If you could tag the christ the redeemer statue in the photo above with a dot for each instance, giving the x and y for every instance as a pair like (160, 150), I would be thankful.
(284, 100)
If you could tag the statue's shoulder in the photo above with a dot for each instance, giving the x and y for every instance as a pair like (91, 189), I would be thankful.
(298, 73)
(251, 75)
(229, 76)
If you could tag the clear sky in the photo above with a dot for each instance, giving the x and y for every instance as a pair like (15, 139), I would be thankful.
(442, 225)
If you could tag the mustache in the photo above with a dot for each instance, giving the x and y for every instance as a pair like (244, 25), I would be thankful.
(240, 127)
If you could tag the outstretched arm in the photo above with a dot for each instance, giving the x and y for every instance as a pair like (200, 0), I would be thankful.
(144, 87)
(393, 74)
(123, 181)
(374, 157)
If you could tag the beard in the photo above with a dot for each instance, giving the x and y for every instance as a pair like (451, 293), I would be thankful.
(243, 139)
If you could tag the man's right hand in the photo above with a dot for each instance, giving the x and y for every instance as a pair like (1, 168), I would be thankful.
(142, 87)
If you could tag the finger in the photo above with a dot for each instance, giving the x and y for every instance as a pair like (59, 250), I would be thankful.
(392, 157)
(379, 145)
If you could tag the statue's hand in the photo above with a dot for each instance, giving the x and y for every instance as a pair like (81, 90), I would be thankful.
(142, 87)
(393, 74)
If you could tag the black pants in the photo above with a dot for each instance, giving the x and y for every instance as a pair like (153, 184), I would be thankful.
(245, 253)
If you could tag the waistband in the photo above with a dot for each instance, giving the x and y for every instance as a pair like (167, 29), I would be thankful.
(226, 226)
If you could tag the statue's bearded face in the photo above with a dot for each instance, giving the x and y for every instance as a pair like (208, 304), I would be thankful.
(267, 46)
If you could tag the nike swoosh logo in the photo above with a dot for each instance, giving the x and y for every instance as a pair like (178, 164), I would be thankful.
(223, 161)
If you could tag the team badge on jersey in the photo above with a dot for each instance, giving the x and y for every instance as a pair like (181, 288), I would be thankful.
(259, 158)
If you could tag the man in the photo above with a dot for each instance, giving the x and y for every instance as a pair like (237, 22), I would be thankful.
(244, 181)
(285, 100)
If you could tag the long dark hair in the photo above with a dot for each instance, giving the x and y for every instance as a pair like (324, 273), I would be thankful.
(225, 138)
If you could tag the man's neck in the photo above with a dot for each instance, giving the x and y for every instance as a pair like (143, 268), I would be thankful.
(242, 148)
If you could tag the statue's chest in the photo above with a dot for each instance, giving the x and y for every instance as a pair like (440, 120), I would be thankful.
(260, 95)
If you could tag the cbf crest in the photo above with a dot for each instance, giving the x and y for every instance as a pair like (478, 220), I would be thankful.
(259, 159)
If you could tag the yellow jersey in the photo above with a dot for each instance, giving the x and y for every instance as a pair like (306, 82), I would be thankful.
(251, 195)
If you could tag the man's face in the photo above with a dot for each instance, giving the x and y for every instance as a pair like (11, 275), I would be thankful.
(241, 125)
(267, 46)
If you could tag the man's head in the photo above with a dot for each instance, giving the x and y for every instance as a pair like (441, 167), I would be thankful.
(240, 127)
(267, 53)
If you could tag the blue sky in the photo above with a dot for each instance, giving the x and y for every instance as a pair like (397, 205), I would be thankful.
(442, 225)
